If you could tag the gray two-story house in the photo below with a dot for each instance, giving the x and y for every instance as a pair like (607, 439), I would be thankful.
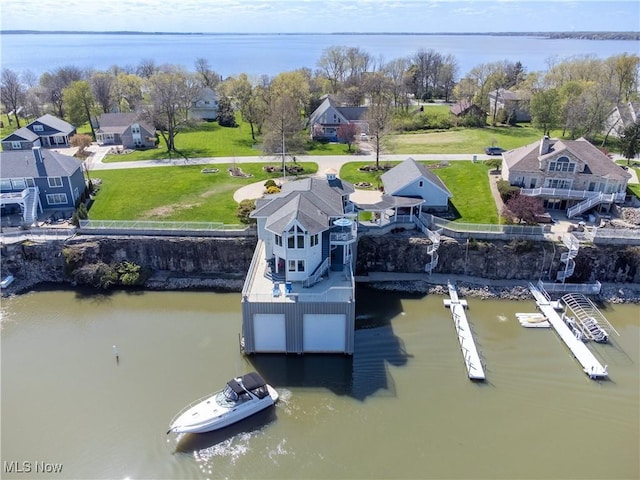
(125, 129)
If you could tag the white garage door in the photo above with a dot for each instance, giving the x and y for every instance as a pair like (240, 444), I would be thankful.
(324, 333)
(269, 332)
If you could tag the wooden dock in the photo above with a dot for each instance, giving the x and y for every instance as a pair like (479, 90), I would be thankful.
(467, 344)
(580, 351)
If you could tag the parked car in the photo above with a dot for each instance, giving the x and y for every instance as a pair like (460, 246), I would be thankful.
(494, 150)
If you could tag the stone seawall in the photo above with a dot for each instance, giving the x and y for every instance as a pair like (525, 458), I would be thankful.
(222, 263)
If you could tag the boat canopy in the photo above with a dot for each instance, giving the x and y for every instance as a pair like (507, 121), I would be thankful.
(250, 381)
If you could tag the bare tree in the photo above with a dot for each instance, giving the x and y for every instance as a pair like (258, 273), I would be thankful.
(283, 127)
(332, 63)
(54, 83)
(12, 93)
(146, 68)
(379, 116)
(172, 94)
(208, 77)
(102, 86)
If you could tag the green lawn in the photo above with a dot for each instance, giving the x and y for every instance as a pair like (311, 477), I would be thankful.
(208, 139)
(463, 140)
(174, 193)
(467, 181)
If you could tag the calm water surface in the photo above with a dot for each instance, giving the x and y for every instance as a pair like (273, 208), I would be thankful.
(258, 54)
(401, 407)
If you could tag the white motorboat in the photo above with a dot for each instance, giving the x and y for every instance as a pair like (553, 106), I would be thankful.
(533, 320)
(241, 397)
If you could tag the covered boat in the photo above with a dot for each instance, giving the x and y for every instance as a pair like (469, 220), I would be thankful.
(241, 397)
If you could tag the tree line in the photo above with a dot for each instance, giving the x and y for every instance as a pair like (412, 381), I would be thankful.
(574, 94)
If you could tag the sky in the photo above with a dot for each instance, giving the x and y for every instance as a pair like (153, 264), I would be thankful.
(321, 16)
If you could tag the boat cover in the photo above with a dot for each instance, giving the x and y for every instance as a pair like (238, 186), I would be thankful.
(250, 381)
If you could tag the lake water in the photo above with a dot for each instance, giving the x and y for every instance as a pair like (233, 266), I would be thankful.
(401, 407)
(270, 54)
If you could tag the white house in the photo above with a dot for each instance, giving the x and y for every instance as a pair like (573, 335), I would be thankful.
(205, 107)
(299, 294)
(411, 179)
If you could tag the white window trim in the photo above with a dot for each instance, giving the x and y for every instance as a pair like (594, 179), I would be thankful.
(38, 128)
(57, 198)
(55, 183)
(16, 145)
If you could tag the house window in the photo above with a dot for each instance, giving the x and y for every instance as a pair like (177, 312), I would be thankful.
(18, 184)
(562, 164)
(31, 182)
(421, 184)
(279, 240)
(38, 128)
(295, 265)
(295, 237)
(57, 198)
(55, 182)
(16, 145)
(558, 183)
(5, 185)
(313, 240)
(135, 128)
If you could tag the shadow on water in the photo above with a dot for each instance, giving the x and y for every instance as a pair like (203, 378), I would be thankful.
(359, 376)
(191, 442)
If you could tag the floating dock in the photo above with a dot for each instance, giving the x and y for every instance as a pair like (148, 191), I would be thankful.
(467, 345)
(587, 360)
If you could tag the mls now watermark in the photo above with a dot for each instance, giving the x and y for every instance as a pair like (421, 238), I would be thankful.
(32, 467)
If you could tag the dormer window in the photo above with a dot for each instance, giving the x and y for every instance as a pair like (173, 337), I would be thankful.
(562, 164)
(38, 128)
(295, 237)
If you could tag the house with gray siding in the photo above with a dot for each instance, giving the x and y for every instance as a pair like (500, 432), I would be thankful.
(299, 293)
(46, 131)
(329, 116)
(620, 117)
(39, 180)
(125, 129)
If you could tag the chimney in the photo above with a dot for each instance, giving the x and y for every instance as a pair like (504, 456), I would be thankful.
(544, 145)
(37, 154)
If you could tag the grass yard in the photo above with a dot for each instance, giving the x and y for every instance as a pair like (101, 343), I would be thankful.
(463, 140)
(175, 193)
(467, 181)
(208, 139)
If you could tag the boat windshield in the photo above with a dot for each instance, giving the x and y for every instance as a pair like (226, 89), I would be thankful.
(227, 397)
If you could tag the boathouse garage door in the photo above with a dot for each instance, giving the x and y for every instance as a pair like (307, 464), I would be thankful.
(269, 332)
(324, 333)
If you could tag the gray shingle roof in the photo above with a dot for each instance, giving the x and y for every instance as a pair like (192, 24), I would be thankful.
(312, 202)
(119, 122)
(526, 159)
(21, 163)
(407, 172)
(55, 123)
(23, 133)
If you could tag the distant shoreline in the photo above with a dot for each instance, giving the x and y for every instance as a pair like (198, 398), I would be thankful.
(546, 35)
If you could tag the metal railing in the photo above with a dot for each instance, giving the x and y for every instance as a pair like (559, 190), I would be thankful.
(465, 230)
(139, 227)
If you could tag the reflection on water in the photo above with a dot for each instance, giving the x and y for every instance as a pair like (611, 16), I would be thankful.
(401, 407)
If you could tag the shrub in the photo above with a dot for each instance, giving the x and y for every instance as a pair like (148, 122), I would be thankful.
(273, 189)
(269, 183)
(130, 274)
(244, 209)
(506, 190)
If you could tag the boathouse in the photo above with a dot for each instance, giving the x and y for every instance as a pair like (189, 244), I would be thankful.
(299, 293)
